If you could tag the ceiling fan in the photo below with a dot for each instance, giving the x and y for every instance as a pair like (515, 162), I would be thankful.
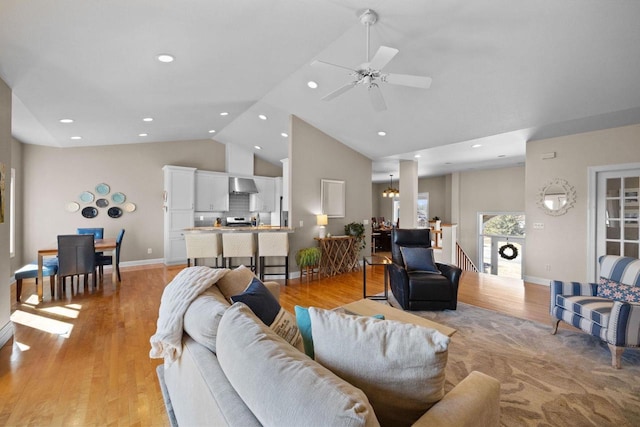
(370, 75)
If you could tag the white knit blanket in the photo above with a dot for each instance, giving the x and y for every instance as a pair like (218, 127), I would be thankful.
(177, 296)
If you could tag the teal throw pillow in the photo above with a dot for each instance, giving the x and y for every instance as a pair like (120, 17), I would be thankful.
(419, 260)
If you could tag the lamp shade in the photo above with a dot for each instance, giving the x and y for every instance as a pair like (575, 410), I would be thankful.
(322, 219)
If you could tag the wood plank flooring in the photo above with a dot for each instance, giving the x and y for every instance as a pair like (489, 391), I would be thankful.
(100, 374)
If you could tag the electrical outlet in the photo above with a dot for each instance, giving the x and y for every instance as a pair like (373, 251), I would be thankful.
(149, 250)
(365, 222)
(547, 267)
(301, 224)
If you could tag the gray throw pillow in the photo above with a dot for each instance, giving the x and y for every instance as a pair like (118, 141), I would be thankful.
(419, 260)
(399, 366)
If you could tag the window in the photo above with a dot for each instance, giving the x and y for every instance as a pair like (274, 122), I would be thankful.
(423, 210)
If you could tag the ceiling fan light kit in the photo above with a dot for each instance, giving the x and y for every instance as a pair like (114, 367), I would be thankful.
(370, 75)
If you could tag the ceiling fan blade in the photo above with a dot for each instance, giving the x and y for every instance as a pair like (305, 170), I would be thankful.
(377, 100)
(317, 62)
(382, 57)
(422, 82)
(339, 91)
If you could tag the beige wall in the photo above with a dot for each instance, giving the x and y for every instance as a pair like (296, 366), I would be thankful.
(562, 244)
(313, 156)
(492, 190)
(5, 159)
(436, 187)
(54, 176)
(263, 168)
(16, 161)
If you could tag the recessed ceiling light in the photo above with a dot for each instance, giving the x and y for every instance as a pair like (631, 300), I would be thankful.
(262, 117)
(476, 146)
(76, 137)
(66, 120)
(147, 119)
(284, 134)
(142, 134)
(502, 155)
(212, 131)
(417, 156)
(165, 57)
(257, 147)
(224, 113)
(312, 84)
(382, 133)
(447, 163)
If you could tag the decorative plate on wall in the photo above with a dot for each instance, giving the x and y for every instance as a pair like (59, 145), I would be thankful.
(89, 212)
(118, 198)
(102, 189)
(86, 197)
(129, 207)
(102, 203)
(72, 207)
(114, 212)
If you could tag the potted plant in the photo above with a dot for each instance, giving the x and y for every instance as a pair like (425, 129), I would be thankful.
(308, 259)
(356, 229)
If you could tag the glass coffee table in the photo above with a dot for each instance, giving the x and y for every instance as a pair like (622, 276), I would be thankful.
(373, 261)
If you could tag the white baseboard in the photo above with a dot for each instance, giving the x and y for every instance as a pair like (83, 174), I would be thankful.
(537, 280)
(6, 333)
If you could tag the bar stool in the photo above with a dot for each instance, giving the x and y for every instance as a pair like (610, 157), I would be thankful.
(238, 245)
(202, 245)
(273, 244)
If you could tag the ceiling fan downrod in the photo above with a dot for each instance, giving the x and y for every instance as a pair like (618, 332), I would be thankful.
(368, 18)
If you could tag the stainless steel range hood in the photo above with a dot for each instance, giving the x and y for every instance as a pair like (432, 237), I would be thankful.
(242, 186)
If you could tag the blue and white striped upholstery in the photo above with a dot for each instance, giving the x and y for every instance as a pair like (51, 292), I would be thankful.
(621, 269)
(578, 304)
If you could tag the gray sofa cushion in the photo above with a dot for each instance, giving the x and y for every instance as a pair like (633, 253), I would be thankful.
(203, 316)
(281, 385)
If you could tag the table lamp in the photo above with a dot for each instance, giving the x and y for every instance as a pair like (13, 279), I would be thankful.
(321, 221)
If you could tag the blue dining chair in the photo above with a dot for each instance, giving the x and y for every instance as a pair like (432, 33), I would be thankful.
(102, 260)
(98, 233)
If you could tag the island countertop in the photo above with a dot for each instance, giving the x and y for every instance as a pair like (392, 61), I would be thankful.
(248, 229)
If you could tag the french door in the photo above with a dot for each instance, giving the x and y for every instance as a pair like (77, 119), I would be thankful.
(617, 213)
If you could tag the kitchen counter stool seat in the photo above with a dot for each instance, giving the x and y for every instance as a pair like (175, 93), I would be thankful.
(238, 245)
(30, 271)
(273, 244)
(203, 245)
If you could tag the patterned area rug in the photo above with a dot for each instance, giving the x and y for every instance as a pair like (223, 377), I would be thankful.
(547, 380)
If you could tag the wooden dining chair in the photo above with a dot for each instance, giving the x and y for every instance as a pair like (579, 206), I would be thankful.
(76, 256)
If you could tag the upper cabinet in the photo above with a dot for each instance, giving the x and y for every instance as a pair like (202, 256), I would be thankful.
(178, 188)
(212, 191)
(264, 200)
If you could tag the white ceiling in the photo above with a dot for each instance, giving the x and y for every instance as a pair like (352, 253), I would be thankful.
(504, 72)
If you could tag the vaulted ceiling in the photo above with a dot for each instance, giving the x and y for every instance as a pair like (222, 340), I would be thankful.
(504, 72)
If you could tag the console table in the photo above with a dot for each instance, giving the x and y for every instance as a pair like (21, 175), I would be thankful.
(338, 255)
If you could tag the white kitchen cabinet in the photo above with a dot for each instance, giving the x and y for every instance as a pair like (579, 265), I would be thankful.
(178, 206)
(212, 191)
(264, 200)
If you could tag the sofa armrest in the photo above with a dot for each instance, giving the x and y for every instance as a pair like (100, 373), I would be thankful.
(558, 287)
(474, 402)
(622, 330)
(274, 288)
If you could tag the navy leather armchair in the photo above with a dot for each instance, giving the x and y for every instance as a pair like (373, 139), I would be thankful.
(416, 289)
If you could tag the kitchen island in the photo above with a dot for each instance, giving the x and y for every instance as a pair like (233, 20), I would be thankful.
(241, 229)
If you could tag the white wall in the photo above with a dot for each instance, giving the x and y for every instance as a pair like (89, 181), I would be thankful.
(562, 244)
(6, 330)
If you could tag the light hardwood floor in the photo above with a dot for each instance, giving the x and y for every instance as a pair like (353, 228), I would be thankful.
(100, 373)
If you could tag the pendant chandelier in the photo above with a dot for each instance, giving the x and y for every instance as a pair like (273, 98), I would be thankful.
(391, 191)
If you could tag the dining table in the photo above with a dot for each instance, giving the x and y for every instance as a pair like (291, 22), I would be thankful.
(101, 245)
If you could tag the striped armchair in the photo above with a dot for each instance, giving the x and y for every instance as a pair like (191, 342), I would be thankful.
(609, 309)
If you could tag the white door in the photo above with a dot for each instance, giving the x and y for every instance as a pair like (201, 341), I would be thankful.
(617, 213)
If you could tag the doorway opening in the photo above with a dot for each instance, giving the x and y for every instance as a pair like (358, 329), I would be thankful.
(501, 243)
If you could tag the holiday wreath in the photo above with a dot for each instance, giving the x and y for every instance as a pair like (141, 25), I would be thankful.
(503, 249)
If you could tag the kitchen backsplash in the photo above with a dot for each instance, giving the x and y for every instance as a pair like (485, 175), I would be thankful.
(238, 206)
